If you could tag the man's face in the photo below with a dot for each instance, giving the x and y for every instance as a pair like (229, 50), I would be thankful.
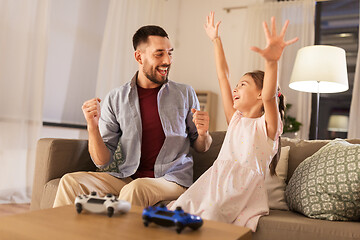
(156, 57)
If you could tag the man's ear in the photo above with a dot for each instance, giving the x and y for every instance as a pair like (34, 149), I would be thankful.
(138, 56)
(259, 96)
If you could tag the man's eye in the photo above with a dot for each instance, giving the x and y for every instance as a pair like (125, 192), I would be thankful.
(159, 55)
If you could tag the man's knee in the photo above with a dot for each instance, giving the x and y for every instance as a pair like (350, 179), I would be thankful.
(66, 179)
(69, 178)
(66, 191)
(136, 187)
(75, 182)
(137, 192)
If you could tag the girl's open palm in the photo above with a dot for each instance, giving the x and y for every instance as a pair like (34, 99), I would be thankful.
(210, 28)
(275, 44)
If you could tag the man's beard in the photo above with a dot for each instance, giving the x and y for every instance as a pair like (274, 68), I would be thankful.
(152, 76)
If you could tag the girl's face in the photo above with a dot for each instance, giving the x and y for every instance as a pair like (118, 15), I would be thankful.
(246, 95)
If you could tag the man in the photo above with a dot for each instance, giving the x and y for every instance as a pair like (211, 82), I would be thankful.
(144, 129)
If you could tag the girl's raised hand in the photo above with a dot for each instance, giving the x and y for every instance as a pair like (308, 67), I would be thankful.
(210, 28)
(275, 44)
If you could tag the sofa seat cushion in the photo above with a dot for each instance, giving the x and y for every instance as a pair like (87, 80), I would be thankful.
(327, 184)
(290, 225)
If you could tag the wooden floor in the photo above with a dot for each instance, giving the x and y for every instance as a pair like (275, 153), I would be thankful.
(10, 209)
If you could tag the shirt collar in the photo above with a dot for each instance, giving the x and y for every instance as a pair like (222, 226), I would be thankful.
(133, 80)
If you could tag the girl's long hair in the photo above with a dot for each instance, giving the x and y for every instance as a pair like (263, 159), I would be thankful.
(258, 77)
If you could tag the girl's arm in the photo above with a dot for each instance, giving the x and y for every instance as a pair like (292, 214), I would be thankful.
(221, 66)
(271, 54)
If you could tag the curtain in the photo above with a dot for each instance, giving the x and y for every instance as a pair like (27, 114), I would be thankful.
(76, 29)
(354, 129)
(23, 45)
(301, 15)
(117, 64)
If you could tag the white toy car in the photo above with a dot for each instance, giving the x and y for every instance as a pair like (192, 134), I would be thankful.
(94, 203)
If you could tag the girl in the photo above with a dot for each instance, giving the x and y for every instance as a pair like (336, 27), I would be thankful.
(233, 190)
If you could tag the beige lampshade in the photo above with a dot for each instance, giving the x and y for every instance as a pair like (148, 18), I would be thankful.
(338, 123)
(320, 68)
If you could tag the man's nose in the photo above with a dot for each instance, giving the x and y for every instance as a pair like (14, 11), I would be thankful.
(167, 59)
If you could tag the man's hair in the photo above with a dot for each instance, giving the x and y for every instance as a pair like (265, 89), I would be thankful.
(142, 34)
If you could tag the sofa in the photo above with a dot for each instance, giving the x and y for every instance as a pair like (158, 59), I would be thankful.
(56, 157)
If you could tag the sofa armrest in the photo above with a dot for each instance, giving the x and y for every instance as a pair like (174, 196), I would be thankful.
(56, 157)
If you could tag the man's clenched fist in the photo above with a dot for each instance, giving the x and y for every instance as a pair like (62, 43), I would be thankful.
(91, 111)
(201, 120)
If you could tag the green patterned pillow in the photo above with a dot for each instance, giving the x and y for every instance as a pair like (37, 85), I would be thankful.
(326, 185)
(118, 160)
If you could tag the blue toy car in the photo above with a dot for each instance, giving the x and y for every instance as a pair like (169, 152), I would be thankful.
(164, 217)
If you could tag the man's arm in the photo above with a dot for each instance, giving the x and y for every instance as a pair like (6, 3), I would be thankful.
(202, 143)
(204, 140)
(97, 148)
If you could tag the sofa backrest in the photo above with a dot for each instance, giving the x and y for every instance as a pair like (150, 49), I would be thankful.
(302, 149)
(202, 161)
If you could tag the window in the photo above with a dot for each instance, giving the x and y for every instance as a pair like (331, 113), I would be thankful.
(337, 24)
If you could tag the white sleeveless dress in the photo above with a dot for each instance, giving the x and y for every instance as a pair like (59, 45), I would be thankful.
(232, 190)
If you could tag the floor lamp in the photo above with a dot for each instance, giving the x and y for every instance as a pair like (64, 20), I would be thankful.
(319, 69)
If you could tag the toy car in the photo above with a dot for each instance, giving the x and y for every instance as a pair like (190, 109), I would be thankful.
(164, 217)
(94, 203)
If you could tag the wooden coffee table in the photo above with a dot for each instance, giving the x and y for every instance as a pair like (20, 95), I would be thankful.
(65, 223)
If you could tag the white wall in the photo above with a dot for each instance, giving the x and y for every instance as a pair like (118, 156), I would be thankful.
(63, 132)
(75, 35)
(193, 56)
(76, 29)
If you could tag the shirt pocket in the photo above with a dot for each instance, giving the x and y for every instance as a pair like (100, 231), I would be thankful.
(175, 122)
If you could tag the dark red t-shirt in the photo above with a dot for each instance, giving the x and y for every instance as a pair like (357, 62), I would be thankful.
(153, 135)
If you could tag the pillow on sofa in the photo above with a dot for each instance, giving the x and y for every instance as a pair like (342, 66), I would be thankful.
(326, 185)
(117, 160)
(275, 185)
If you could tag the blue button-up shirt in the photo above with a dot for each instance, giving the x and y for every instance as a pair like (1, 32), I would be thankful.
(121, 121)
